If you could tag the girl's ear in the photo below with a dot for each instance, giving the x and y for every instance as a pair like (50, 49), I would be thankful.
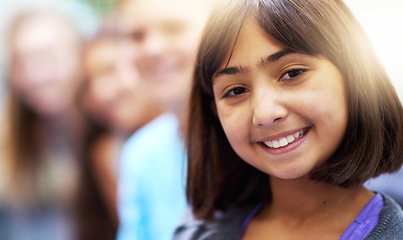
(214, 108)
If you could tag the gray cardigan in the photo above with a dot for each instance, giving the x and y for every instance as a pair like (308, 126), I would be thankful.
(226, 226)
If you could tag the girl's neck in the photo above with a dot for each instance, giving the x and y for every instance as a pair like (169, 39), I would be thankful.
(304, 198)
(313, 210)
(305, 203)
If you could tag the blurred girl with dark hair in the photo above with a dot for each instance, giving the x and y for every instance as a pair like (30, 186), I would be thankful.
(117, 104)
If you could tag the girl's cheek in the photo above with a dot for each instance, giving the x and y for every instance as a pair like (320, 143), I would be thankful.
(233, 122)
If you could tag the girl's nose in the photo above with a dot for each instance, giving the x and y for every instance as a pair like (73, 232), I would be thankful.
(268, 108)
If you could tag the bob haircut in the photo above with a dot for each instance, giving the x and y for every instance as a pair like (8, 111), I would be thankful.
(373, 142)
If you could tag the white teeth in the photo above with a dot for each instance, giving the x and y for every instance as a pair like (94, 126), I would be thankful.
(299, 133)
(285, 140)
(290, 138)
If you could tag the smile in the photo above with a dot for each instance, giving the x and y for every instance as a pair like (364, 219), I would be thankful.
(284, 141)
(162, 73)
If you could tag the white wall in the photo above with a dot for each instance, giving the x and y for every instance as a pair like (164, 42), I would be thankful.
(383, 22)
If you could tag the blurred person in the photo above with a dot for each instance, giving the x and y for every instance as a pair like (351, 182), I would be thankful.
(41, 159)
(114, 94)
(164, 35)
(118, 104)
(293, 112)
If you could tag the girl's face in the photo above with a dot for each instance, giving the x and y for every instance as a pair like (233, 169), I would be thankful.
(283, 112)
(45, 68)
(115, 93)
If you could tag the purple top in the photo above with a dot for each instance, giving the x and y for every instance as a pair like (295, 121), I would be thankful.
(359, 229)
(365, 221)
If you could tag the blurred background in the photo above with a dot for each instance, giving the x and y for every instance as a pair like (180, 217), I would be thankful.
(383, 23)
(54, 180)
(88, 15)
(382, 20)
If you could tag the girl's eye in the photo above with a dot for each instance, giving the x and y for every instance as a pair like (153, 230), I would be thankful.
(235, 91)
(291, 74)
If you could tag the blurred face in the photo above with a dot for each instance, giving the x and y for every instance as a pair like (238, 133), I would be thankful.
(115, 94)
(165, 34)
(45, 67)
(283, 112)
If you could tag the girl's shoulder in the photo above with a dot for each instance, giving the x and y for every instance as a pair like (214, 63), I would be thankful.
(228, 225)
(390, 224)
(224, 226)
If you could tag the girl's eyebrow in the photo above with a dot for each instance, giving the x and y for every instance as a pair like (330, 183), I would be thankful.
(274, 57)
(231, 71)
(263, 62)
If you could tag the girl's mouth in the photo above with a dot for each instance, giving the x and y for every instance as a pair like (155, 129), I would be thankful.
(284, 141)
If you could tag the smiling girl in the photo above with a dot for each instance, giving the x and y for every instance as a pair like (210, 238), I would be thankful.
(291, 112)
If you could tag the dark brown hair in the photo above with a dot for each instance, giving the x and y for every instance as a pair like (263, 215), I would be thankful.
(373, 142)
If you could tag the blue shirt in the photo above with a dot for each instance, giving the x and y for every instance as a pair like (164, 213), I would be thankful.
(151, 188)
